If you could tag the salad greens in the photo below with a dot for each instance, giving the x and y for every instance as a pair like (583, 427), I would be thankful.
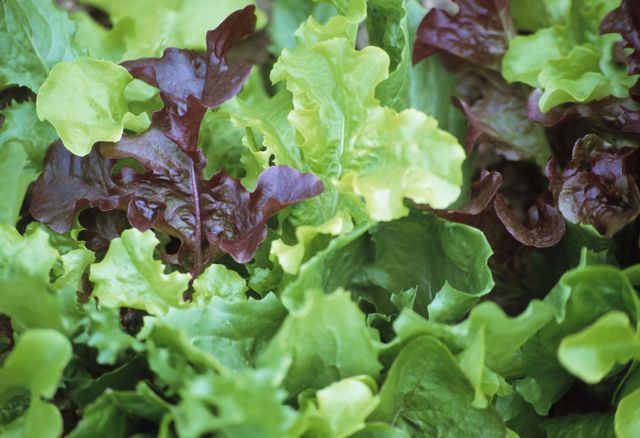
(319, 218)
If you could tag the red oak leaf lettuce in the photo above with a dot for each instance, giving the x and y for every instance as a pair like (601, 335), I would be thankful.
(156, 177)
(488, 211)
(478, 33)
(598, 186)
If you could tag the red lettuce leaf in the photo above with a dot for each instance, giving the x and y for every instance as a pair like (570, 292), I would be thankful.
(190, 81)
(156, 177)
(487, 210)
(612, 112)
(479, 33)
(625, 20)
(597, 187)
(101, 227)
(209, 217)
(498, 122)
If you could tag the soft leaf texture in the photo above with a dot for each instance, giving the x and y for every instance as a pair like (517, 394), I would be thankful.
(24, 141)
(341, 408)
(245, 403)
(569, 61)
(627, 419)
(423, 378)
(84, 100)
(128, 276)
(448, 284)
(147, 27)
(592, 353)
(34, 36)
(345, 136)
(26, 262)
(479, 32)
(322, 353)
(23, 370)
(625, 20)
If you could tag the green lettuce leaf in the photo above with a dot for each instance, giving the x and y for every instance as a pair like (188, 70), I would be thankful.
(232, 331)
(595, 425)
(445, 260)
(235, 404)
(147, 27)
(121, 413)
(34, 36)
(84, 100)
(24, 279)
(425, 389)
(627, 418)
(592, 353)
(24, 141)
(34, 367)
(103, 331)
(128, 276)
(581, 297)
(326, 340)
(569, 61)
(340, 409)
(345, 134)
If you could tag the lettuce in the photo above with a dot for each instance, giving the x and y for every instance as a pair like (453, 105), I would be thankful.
(208, 230)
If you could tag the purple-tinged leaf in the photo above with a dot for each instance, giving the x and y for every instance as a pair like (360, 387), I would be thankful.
(499, 124)
(69, 184)
(488, 211)
(101, 227)
(209, 217)
(597, 187)
(479, 33)
(611, 112)
(181, 73)
(625, 20)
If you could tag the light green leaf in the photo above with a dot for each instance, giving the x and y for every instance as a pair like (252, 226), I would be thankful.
(218, 281)
(15, 177)
(580, 298)
(84, 100)
(627, 418)
(21, 125)
(346, 136)
(150, 26)
(426, 394)
(247, 403)
(34, 36)
(570, 61)
(25, 370)
(327, 340)
(234, 332)
(592, 353)
(25, 263)
(341, 409)
(103, 331)
(24, 140)
(128, 276)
